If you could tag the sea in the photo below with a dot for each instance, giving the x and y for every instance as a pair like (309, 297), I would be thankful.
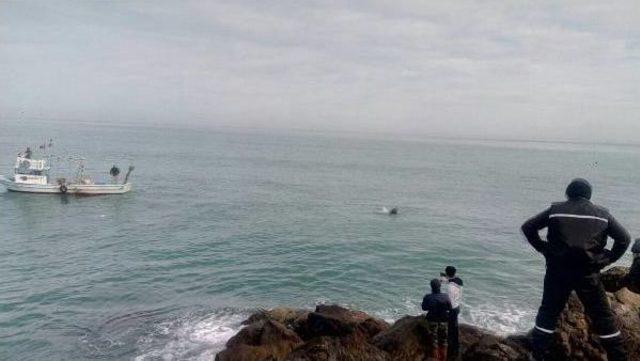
(222, 222)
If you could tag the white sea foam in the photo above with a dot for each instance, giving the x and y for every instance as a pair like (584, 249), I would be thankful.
(502, 318)
(199, 337)
(391, 315)
(190, 338)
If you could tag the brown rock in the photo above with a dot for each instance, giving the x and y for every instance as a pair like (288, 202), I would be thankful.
(373, 326)
(338, 321)
(244, 353)
(349, 348)
(334, 333)
(614, 278)
(627, 307)
(282, 315)
(293, 319)
(469, 335)
(493, 348)
(262, 340)
(407, 339)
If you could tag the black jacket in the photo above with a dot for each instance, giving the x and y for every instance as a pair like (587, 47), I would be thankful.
(438, 306)
(456, 280)
(577, 232)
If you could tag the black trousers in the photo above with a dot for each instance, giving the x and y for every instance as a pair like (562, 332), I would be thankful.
(559, 282)
(454, 342)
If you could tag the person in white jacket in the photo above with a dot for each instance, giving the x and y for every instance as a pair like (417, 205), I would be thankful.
(452, 285)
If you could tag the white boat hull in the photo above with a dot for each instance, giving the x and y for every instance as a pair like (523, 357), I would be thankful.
(77, 189)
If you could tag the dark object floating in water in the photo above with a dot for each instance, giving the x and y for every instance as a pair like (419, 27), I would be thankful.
(385, 210)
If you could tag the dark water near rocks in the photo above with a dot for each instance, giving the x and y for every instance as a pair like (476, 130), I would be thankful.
(225, 221)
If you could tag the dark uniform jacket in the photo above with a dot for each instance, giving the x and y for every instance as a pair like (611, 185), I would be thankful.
(438, 306)
(577, 232)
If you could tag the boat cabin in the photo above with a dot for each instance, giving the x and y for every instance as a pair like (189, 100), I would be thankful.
(31, 171)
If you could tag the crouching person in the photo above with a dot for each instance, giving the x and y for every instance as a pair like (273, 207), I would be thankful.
(437, 305)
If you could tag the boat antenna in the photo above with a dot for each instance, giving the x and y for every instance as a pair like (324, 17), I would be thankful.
(126, 178)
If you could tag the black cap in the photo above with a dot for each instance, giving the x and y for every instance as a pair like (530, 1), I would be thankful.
(636, 246)
(579, 188)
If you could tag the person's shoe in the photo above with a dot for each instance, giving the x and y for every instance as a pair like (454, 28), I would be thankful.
(442, 353)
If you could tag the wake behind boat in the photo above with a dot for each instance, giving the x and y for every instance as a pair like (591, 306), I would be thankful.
(33, 176)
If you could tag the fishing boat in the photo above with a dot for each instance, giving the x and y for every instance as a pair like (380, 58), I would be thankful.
(32, 175)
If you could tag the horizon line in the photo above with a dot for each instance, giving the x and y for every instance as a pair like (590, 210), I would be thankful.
(415, 136)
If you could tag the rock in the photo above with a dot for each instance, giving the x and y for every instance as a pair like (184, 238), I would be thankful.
(627, 308)
(319, 324)
(469, 335)
(293, 319)
(334, 333)
(614, 278)
(261, 340)
(574, 338)
(338, 321)
(407, 339)
(244, 353)
(372, 327)
(493, 348)
(326, 348)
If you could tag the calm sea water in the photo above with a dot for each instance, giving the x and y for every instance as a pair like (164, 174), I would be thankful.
(222, 222)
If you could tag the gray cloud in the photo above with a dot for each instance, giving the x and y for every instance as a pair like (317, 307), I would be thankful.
(526, 70)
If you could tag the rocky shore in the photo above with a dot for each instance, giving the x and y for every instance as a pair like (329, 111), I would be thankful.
(333, 333)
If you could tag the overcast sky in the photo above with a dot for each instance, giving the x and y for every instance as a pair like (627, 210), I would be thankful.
(543, 70)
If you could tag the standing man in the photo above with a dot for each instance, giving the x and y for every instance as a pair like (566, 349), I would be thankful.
(575, 252)
(437, 305)
(453, 288)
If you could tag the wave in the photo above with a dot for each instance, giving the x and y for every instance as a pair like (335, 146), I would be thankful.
(502, 319)
(191, 338)
(195, 337)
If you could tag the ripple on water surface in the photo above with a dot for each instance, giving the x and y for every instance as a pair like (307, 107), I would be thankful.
(277, 219)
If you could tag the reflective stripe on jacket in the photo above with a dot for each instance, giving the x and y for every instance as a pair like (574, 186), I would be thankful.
(577, 234)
